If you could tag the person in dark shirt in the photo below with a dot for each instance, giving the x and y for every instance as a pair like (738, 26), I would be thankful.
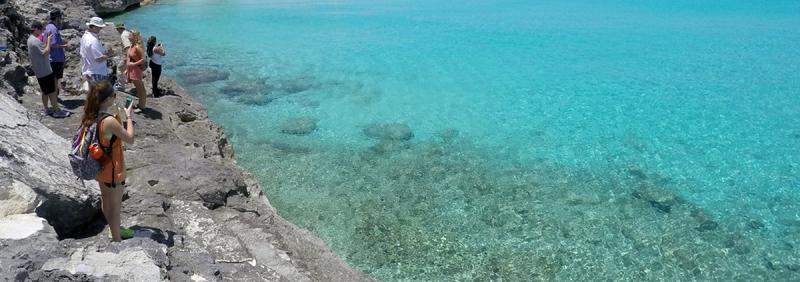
(57, 45)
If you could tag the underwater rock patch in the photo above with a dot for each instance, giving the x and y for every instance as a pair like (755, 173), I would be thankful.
(201, 75)
(243, 86)
(389, 131)
(299, 126)
(388, 146)
(658, 197)
(449, 134)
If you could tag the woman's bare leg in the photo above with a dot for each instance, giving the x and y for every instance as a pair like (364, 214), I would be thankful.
(141, 93)
(112, 206)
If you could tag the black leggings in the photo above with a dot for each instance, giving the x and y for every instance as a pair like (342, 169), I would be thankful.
(156, 70)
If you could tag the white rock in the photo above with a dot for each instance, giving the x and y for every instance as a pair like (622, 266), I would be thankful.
(19, 226)
(131, 264)
(17, 199)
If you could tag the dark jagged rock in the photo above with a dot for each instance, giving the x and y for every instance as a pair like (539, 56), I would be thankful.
(106, 7)
(15, 76)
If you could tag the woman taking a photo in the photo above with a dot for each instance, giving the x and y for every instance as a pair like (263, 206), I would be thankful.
(134, 70)
(156, 53)
(111, 134)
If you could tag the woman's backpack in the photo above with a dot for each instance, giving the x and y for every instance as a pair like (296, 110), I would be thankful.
(83, 165)
(143, 65)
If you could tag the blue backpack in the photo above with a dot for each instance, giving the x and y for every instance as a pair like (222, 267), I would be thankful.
(84, 166)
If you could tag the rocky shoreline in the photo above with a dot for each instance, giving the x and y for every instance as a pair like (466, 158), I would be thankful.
(198, 215)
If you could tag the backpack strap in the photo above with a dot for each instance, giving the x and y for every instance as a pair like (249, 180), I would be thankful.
(100, 118)
(107, 150)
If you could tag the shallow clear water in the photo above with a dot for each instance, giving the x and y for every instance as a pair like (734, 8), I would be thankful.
(548, 135)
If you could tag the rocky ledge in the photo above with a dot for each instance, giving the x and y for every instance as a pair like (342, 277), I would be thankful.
(197, 215)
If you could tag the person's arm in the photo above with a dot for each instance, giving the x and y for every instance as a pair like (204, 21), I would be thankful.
(46, 49)
(160, 50)
(140, 61)
(100, 55)
(126, 134)
(59, 46)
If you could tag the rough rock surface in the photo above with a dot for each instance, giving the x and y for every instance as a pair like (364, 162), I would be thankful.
(197, 215)
(103, 7)
(31, 155)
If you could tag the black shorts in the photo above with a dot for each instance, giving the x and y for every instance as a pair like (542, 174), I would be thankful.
(58, 69)
(47, 84)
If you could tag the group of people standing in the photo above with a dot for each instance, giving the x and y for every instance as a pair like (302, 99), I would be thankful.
(47, 55)
(135, 62)
(46, 52)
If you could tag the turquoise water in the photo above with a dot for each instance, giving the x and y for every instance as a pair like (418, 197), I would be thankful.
(552, 140)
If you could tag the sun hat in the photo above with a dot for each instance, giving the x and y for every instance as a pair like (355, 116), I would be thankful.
(96, 21)
(119, 25)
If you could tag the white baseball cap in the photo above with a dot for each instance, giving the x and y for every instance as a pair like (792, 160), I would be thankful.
(96, 21)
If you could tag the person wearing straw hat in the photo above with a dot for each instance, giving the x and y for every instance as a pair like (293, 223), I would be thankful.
(93, 54)
(125, 35)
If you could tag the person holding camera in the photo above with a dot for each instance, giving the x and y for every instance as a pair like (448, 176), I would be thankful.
(156, 52)
(57, 45)
(38, 52)
(134, 70)
(112, 133)
(93, 54)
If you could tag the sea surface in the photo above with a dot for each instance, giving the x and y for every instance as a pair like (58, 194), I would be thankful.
(552, 140)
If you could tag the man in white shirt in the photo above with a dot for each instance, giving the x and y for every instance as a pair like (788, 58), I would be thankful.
(93, 54)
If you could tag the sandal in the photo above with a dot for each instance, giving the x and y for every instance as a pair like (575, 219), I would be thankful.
(137, 110)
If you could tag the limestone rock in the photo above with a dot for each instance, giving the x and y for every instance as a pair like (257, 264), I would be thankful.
(19, 198)
(102, 7)
(132, 263)
(35, 157)
(299, 126)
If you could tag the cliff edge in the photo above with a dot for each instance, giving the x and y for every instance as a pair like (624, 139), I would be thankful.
(198, 216)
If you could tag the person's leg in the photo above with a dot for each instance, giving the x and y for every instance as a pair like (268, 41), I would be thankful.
(45, 101)
(156, 70)
(107, 197)
(58, 71)
(47, 86)
(54, 101)
(141, 93)
(116, 210)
